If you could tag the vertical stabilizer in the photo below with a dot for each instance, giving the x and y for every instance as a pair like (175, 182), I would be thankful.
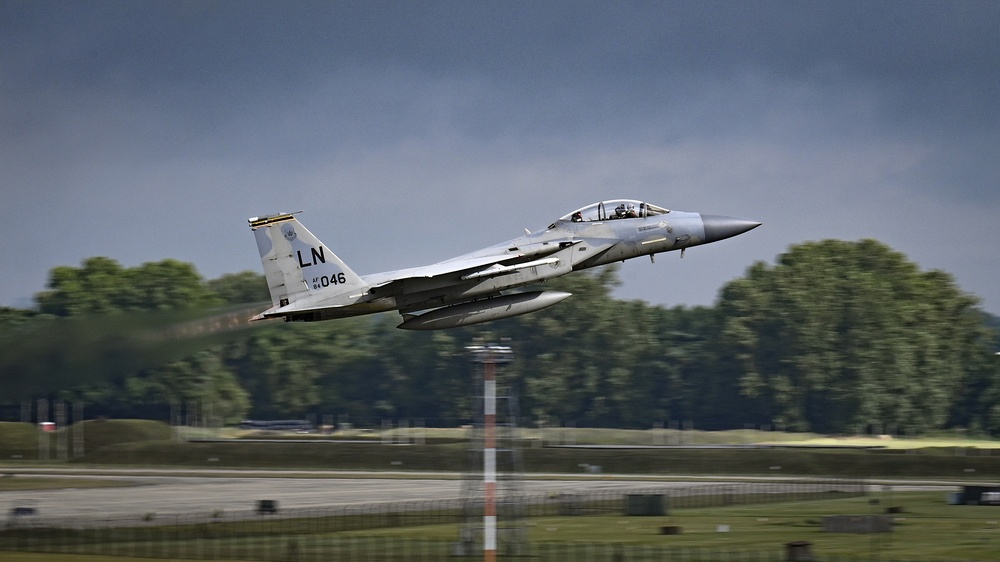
(297, 264)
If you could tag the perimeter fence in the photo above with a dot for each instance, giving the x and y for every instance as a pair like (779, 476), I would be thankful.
(325, 548)
(275, 534)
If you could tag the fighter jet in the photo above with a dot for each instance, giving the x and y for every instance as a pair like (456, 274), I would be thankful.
(308, 282)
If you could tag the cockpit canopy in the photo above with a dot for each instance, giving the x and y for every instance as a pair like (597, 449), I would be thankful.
(614, 209)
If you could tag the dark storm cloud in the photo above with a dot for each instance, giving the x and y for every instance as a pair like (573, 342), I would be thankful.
(924, 60)
(186, 117)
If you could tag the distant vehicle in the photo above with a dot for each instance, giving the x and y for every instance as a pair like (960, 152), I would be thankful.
(308, 282)
(278, 425)
(23, 513)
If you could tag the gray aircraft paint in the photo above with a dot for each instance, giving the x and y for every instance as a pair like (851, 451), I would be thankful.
(308, 282)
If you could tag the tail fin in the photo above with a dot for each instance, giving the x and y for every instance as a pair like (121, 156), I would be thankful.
(296, 263)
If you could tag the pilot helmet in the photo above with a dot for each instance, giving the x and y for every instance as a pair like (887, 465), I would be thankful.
(620, 209)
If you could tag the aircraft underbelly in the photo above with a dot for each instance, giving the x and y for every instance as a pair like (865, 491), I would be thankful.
(479, 288)
(320, 312)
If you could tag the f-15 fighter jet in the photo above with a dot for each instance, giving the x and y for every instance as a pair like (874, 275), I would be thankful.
(308, 282)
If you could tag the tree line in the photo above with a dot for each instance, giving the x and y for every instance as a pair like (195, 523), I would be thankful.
(835, 337)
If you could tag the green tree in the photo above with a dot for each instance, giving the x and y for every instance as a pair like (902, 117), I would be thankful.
(836, 336)
(562, 353)
(165, 285)
(95, 287)
(841, 335)
(290, 369)
(201, 379)
(978, 406)
(102, 328)
(101, 285)
(595, 360)
(240, 288)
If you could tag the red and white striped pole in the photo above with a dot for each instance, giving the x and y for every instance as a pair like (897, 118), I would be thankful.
(489, 459)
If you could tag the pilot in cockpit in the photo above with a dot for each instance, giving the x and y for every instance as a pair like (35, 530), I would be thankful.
(577, 217)
(620, 211)
(630, 213)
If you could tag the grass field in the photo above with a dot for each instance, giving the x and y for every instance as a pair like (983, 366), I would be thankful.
(942, 463)
(926, 529)
(644, 437)
(100, 433)
(137, 443)
(53, 557)
(13, 484)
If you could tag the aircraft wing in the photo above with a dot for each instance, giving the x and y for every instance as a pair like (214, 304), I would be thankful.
(491, 262)
(498, 269)
(472, 266)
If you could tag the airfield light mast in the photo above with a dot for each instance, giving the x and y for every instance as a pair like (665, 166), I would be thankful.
(495, 438)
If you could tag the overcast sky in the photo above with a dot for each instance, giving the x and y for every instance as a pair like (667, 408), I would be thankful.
(410, 132)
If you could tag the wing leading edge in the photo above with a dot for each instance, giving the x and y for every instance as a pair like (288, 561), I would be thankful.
(473, 266)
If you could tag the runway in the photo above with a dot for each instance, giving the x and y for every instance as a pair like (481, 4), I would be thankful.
(166, 493)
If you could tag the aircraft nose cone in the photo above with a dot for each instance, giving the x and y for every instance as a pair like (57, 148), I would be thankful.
(718, 227)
